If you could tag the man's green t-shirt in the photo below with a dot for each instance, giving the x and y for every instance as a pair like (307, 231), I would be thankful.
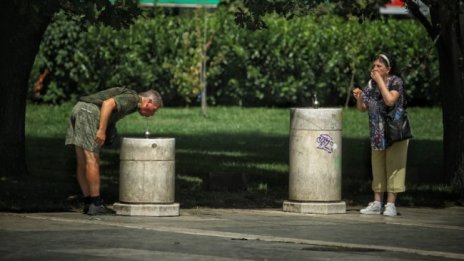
(127, 101)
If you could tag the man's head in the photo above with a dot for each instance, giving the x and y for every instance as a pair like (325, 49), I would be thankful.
(150, 102)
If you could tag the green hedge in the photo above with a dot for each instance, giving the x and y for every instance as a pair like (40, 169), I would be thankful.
(283, 65)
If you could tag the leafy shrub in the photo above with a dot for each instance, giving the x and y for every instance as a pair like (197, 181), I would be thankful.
(283, 65)
(57, 54)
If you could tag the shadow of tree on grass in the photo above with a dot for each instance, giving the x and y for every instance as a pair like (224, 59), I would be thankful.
(227, 170)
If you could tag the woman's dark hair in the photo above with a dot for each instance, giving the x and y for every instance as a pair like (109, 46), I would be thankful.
(388, 60)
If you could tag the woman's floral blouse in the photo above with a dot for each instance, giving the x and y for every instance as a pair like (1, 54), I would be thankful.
(377, 109)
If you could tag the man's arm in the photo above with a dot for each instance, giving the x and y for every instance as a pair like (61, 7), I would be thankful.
(108, 106)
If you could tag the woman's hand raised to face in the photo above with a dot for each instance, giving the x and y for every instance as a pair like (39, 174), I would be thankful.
(376, 76)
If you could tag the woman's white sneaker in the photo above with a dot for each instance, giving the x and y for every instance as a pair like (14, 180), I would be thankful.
(390, 210)
(374, 208)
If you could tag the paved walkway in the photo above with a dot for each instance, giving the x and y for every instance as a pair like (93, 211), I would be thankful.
(235, 234)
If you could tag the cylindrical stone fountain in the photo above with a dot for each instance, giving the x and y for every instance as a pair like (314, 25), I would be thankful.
(147, 178)
(315, 164)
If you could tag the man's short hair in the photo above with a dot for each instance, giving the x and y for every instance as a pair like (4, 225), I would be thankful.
(154, 96)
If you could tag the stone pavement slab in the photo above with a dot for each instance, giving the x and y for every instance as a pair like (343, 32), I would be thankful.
(235, 234)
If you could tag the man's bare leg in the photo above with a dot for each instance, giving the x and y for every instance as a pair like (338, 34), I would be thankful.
(96, 206)
(92, 169)
(81, 171)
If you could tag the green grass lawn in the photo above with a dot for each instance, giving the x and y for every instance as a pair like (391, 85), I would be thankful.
(235, 157)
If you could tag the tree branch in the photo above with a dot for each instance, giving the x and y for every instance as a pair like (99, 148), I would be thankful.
(413, 7)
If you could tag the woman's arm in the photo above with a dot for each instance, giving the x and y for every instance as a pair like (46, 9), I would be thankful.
(389, 97)
(360, 105)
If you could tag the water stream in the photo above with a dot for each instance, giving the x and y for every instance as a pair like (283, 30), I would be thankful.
(147, 133)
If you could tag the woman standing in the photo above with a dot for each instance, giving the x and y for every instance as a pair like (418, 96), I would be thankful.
(383, 90)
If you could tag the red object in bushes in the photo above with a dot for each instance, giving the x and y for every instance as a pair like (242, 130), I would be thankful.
(396, 3)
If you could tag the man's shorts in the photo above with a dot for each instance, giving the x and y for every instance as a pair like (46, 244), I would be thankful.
(83, 126)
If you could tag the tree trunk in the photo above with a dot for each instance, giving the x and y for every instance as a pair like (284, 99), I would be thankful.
(22, 28)
(450, 51)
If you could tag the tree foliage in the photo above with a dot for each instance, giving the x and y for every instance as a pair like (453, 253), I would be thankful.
(282, 65)
(249, 14)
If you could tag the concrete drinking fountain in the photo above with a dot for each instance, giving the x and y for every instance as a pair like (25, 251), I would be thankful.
(315, 161)
(147, 177)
